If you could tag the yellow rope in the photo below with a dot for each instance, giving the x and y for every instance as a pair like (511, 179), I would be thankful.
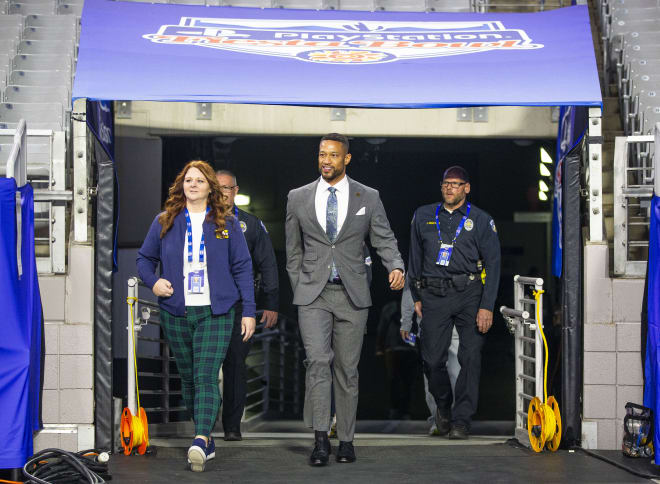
(539, 325)
(134, 428)
(131, 301)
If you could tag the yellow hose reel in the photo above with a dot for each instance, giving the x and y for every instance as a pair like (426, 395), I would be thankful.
(134, 429)
(543, 419)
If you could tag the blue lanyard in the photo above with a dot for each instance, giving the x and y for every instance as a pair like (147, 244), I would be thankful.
(189, 237)
(458, 229)
(236, 211)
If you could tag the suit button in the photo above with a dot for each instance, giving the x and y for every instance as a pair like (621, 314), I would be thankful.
(333, 246)
(328, 267)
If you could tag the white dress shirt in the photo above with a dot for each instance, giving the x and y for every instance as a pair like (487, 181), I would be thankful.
(321, 201)
(203, 298)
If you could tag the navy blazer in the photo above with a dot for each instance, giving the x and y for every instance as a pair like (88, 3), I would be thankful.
(228, 264)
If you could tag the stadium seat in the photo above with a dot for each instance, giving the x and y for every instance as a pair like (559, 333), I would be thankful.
(449, 6)
(47, 33)
(52, 21)
(37, 115)
(34, 62)
(401, 5)
(70, 9)
(38, 94)
(32, 7)
(48, 47)
(40, 78)
(306, 4)
(246, 3)
(369, 5)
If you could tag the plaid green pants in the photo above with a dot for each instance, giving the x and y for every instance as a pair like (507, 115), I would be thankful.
(199, 342)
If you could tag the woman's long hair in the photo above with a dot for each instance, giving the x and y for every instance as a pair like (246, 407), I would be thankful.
(176, 200)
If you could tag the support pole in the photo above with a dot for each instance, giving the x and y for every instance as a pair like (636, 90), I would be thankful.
(595, 149)
(130, 371)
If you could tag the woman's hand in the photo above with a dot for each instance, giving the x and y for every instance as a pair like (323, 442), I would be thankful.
(247, 327)
(163, 288)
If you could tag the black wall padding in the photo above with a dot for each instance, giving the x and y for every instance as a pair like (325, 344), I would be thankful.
(571, 405)
(103, 296)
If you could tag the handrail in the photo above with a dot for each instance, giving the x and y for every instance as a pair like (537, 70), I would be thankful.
(635, 178)
(17, 162)
(266, 361)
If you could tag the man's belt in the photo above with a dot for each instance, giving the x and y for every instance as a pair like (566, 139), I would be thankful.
(457, 281)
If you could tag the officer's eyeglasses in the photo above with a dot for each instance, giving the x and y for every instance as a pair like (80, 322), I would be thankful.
(454, 185)
(226, 188)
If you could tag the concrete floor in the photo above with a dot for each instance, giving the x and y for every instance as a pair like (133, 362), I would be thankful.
(277, 452)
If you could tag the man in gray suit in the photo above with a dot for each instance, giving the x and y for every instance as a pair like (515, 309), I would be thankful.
(327, 222)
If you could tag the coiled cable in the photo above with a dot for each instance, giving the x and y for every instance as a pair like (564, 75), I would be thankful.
(54, 466)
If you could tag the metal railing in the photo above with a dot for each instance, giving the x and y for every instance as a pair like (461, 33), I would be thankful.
(522, 322)
(274, 368)
(634, 180)
(38, 157)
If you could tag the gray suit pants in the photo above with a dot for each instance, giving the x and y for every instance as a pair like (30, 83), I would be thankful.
(332, 329)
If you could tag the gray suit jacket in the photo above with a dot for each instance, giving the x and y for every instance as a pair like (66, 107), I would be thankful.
(309, 252)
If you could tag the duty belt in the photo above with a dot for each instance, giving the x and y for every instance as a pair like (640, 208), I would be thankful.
(441, 284)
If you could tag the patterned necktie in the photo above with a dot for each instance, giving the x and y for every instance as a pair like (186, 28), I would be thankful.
(331, 226)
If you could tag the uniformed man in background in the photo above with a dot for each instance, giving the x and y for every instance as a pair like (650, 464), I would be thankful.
(265, 267)
(450, 243)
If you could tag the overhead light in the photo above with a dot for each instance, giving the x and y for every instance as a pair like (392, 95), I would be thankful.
(241, 200)
(543, 196)
(545, 157)
(543, 187)
(544, 170)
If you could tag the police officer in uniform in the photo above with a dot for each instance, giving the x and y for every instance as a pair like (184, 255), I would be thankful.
(265, 267)
(450, 244)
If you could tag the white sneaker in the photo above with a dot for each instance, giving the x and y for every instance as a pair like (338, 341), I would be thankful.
(197, 455)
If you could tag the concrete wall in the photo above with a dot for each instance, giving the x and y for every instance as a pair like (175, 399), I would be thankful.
(68, 395)
(612, 361)
(159, 118)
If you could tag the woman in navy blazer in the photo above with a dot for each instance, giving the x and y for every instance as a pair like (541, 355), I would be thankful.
(205, 272)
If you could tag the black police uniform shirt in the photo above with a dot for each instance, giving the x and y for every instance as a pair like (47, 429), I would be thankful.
(263, 258)
(477, 241)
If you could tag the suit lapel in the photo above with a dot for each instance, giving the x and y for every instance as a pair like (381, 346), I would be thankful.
(354, 199)
(311, 208)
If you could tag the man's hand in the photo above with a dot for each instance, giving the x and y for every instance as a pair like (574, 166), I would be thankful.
(270, 317)
(396, 279)
(162, 288)
(418, 309)
(247, 327)
(404, 335)
(484, 320)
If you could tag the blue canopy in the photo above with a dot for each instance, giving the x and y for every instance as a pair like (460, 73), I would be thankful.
(164, 52)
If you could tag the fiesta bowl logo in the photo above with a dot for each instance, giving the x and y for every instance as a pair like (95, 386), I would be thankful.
(343, 41)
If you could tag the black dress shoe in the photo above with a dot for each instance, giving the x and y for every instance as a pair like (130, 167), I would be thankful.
(322, 450)
(346, 452)
(442, 423)
(458, 432)
(233, 436)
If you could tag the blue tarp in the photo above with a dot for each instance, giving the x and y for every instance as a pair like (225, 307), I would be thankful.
(20, 326)
(652, 367)
(164, 52)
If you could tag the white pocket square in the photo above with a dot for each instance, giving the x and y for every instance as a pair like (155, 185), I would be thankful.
(362, 211)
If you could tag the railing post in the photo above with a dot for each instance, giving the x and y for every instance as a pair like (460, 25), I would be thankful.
(130, 375)
(80, 173)
(595, 183)
(165, 353)
(282, 339)
(266, 374)
(656, 156)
